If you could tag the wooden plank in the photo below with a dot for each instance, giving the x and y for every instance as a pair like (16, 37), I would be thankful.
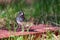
(37, 28)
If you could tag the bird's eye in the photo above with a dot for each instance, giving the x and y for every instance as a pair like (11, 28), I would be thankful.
(21, 14)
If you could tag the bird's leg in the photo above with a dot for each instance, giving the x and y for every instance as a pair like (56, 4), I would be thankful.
(22, 28)
(19, 28)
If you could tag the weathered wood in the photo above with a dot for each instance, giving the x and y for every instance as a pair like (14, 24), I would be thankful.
(38, 30)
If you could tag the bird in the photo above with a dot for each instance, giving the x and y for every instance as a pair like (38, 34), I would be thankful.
(20, 19)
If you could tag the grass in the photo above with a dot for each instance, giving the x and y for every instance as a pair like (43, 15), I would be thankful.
(42, 10)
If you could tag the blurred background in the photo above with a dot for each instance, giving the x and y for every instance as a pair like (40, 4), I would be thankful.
(43, 11)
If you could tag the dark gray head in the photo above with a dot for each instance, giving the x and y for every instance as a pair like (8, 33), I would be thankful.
(20, 17)
(21, 13)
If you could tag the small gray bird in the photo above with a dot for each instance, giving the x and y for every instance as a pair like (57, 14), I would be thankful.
(21, 23)
(20, 17)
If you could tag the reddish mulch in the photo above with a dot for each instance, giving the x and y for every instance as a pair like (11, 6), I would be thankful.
(4, 34)
(41, 28)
